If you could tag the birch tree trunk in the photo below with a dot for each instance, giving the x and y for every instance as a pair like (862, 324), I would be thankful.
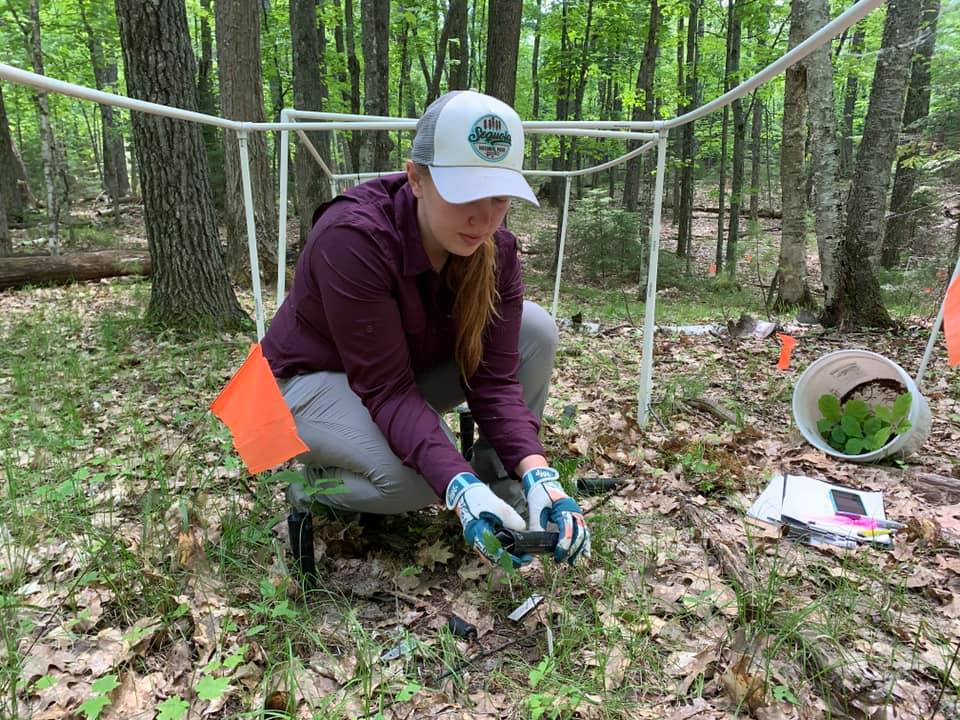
(792, 267)
(190, 282)
(824, 151)
(901, 224)
(858, 302)
(850, 94)
(241, 98)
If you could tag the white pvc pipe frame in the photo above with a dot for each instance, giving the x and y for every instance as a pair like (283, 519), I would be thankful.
(655, 132)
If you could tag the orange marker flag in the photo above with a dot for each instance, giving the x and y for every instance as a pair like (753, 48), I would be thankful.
(788, 343)
(251, 405)
(951, 322)
(713, 269)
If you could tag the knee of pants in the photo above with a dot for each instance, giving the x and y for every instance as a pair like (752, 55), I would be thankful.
(538, 329)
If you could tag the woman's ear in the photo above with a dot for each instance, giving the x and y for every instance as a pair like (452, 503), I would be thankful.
(414, 178)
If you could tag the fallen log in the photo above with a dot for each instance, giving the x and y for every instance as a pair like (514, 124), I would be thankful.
(935, 489)
(16, 272)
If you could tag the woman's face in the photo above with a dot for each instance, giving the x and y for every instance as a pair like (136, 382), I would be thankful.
(449, 228)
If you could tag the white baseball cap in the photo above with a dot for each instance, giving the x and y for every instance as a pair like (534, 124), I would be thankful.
(473, 145)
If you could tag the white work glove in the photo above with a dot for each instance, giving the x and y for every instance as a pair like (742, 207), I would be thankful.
(548, 502)
(482, 513)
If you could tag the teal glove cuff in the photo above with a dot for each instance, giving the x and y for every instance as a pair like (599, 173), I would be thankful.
(537, 476)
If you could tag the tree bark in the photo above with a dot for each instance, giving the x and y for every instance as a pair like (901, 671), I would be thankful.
(858, 301)
(357, 140)
(503, 46)
(15, 193)
(375, 18)
(535, 82)
(209, 103)
(792, 266)
(115, 180)
(688, 143)
(901, 224)
(824, 151)
(739, 149)
(241, 98)
(6, 244)
(190, 281)
(48, 152)
(724, 132)
(16, 272)
(756, 137)
(850, 93)
(309, 90)
(643, 109)
(459, 72)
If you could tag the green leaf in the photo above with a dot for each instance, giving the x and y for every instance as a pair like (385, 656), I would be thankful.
(825, 425)
(856, 408)
(882, 412)
(104, 684)
(871, 425)
(830, 407)
(408, 691)
(783, 694)
(92, 707)
(234, 660)
(880, 438)
(851, 426)
(173, 708)
(838, 436)
(255, 630)
(854, 446)
(901, 406)
(210, 688)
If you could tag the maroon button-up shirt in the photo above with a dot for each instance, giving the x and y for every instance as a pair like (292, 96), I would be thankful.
(366, 301)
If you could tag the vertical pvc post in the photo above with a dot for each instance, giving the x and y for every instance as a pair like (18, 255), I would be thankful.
(935, 330)
(646, 367)
(282, 214)
(563, 242)
(251, 232)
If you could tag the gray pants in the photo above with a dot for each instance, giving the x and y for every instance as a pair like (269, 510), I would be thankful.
(349, 455)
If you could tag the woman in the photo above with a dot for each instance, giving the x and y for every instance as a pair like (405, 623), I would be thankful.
(408, 299)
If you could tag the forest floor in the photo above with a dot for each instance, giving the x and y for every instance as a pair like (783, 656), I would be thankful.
(145, 574)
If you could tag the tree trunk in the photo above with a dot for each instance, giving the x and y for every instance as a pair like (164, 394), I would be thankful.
(190, 281)
(643, 107)
(792, 268)
(858, 301)
(756, 136)
(459, 72)
(358, 139)
(535, 82)
(724, 131)
(739, 147)
(688, 144)
(850, 93)
(15, 192)
(115, 181)
(823, 143)
(16, 272)
(48, 152)
(375, 17)
(241, 98)
(6, 244)
(503, 45)
(676, 138)
(209, 103)
(309, 71)
(901, 223)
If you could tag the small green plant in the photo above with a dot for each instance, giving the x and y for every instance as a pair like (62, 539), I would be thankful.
(855, 427)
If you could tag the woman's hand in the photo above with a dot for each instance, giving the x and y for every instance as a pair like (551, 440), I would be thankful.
(547, 502)
(482, 513)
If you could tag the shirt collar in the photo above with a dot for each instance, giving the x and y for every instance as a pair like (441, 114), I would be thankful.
(415, 260)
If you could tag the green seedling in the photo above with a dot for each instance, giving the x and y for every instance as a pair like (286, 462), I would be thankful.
(855, 428)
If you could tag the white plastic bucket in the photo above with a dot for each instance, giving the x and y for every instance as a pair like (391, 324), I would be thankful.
(838, 373)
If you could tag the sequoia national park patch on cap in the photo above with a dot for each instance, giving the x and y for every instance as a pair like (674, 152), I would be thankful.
(490, 138)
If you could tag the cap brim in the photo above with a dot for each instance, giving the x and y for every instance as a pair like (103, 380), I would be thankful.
(466, 184)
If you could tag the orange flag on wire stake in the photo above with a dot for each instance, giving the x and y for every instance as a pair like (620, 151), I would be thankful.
(251, 406)
(951, 322)
(788, 343)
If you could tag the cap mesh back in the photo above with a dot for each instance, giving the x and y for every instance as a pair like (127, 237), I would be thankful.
(422, 150)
